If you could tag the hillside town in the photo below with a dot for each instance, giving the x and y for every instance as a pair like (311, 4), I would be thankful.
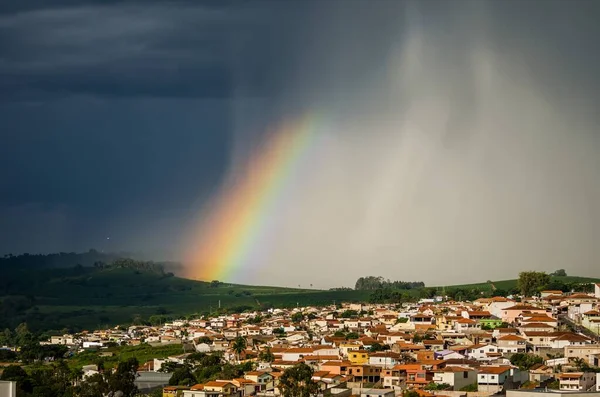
(431, 347)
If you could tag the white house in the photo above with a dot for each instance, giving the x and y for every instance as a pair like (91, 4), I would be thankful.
(581, 381)
(384, 359)
(492, 378)
(457, 377)
(466, 325)
(481, 351)
(597, 290)
(511, 344)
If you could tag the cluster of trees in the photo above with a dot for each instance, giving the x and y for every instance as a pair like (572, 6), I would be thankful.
(462, 294)
(58, 380)
(29, 347)
(297, 382)
(373, 283)
(387, 295)
(525, 361)
(201, 367)
(128, 263)
(61, 259)
(530, 283)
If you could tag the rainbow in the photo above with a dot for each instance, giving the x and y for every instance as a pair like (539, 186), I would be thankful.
(236, 224)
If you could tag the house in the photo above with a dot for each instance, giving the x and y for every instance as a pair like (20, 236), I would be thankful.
(579, 304)
(497, 304)
(547, 293)
(457, 377)
(385, 359)
(246, 387)
(569, 339)
(467, 325)
(223, 387)
(418, 377)
(358, 357)
(538, 339)
(198, 391)
(337, 367)
(481, 351)
(423, 321)
(510, 314)
(540, 372)
(260, 377)
(434, 344)
(448, 354)
(597, 290)
(581, 381)
(173, 391)
(393, 378)
(365, 373)
(491, 379)
(583, 352)
(511, 344)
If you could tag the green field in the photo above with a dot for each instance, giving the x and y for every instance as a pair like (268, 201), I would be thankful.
(88, 298)
(508, 285)
(77, 298)
(143, 353)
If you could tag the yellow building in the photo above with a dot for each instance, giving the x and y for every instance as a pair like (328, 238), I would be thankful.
(358, 357)
(174, 391)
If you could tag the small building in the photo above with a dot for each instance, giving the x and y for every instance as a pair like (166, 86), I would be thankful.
(577, 381)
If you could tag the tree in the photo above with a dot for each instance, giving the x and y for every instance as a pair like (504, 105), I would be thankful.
(239, 345)
(182, 376)
(559, 273)
(123, 378)
(525, 361)
(377, 347)
(530, 282)
(297, 382)
(437, 386)
(297, 317)
(266, 356)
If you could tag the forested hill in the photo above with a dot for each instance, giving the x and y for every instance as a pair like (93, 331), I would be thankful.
(71, 259)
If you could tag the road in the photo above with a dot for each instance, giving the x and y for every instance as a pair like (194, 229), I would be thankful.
(579, 328)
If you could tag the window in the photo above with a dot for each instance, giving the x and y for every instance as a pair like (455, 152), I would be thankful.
(465, 374)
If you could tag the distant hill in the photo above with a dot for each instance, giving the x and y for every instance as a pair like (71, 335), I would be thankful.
(89, 297)
(93, 289)
(68, 259)
(508, 285)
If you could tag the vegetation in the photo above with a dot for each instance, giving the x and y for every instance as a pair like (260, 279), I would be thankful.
(470, 388)
(437, 386)
(373, 283)
(78, 298)
(525, 361)
(59, 380)
(530, 282)
(297, 382)
(70, 292)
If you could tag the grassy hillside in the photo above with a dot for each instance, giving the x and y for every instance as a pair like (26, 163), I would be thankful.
(508, 285)
(91, 297)
(83, 297)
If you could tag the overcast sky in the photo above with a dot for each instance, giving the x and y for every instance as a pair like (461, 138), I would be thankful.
(462, 139)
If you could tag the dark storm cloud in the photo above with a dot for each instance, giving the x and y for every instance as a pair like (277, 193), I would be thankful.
(133, 49)
(117, 115)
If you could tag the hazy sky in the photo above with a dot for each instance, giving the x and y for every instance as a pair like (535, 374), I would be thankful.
(462, 138)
